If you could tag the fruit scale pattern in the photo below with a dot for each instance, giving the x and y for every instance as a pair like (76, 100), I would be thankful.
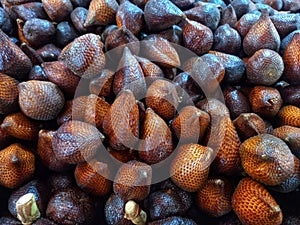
(150, 112)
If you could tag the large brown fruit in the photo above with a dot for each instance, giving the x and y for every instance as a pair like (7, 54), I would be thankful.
(17, 165)
(267, 159)
(92, 177)
(133, 180)
(224, 140)
(156, 144)
(254, 205)
(71, 206)
(189, 169)
(76, 141)
(13, 60)
(40, 100)
(9, 94)
(121, 123)
(162, 97)
(84, 56)
(214, 197)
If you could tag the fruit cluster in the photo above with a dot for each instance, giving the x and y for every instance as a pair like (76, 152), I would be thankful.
(149, 112)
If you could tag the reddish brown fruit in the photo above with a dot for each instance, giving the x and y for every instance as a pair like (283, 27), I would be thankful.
(129, 75)
(157, 142)
(245, 23)
(151, 71)
(206, 14)
(162, 14)
(130, 16)
(261, 35)
(46, 154)
(265, 67)
(254, 205)
(267, 159)
(249, 125)
(214, 108)
(58, 73)
(292, 183)
(189, 169)
(76, 142)
(84, 56)
(95, 110)
(162, 98)
(132, 181)
(33, 94)
(234, 67)
(236, 102)
(190, 124)
(122, 156)
(9, 94)
(289, 115)
(291, 136)
(207, 71)
(102, 85)
(15, 63)
(122, 126)
(197, 37)
(20, 126)
(17, 165)
(224, 140)
(291, 59)
(265, 101)
(71, 206)
(31, 53)
(227, 40)
(92, 177)
(214, 198)
(57, 10)
(159, 50)
(101, 12)
(117, 40)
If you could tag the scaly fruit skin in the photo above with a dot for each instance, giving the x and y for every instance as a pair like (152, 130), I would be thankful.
(76, 141)
(121, 123)
(33, 94)
(289, 115)
(9, 94)
(267, 159)
(224, 140)
(190, 168)
(133, 180)
(157, 142)
(92, 177)
(84, 56)
(17, 165)
(214, 197)
(254, 205)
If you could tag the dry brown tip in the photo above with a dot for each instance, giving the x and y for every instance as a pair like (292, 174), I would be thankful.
(27, 209)
(134, 213)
